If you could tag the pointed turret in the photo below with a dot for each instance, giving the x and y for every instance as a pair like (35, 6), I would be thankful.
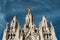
(44, 21)
(5, 33)
(13, 21)
(43, 27)
(30, 16)
(14, 24)
(52, 32)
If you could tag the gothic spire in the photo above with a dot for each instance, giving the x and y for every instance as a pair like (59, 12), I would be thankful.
(44, 24)
(52, 30)
(29, 20)
(13, 22)
(44, 21)
(29, 17)
(29, 32)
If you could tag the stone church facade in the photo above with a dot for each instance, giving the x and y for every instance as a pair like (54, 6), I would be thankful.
(29, 31)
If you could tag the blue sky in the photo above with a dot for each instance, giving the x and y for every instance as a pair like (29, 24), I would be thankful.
(50, 8)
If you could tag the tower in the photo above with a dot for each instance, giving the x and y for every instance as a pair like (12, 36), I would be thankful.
(52, 31)
(45, 31)
(30, 27)
(29, 18)
(29, 22)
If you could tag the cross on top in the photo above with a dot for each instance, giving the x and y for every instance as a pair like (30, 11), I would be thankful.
(29, 10)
